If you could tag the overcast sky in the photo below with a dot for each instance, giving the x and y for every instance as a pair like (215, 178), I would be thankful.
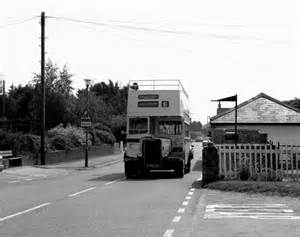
(217, 48)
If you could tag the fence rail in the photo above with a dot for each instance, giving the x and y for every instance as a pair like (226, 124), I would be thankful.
(260, 161)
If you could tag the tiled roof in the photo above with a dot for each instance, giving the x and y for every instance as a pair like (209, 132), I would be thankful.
(261, 109)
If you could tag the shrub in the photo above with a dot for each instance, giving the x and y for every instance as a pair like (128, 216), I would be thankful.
(101, 126)
(26, 143)
(61, 142)
(4, 140)
(105, 137)
(73, 136)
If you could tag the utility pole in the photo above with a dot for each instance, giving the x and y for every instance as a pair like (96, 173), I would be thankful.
(43, 88)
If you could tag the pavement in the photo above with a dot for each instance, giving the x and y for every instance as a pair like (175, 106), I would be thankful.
(100, 201)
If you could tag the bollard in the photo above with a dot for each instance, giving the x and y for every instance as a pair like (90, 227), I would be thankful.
(121, 146)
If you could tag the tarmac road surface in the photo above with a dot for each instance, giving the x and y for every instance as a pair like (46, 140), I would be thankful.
(100, 201)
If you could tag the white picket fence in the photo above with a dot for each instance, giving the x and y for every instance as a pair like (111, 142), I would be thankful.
(264, 162)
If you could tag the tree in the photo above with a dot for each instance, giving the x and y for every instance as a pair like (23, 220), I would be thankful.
(294, 103)
(60, 106)
(196, 126)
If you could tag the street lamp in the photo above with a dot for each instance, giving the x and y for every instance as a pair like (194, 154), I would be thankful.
(87, 83)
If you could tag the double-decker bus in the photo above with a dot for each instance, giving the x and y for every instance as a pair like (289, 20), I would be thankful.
(158, 121)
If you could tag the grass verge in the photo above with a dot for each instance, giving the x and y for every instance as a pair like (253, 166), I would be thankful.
(291, 189)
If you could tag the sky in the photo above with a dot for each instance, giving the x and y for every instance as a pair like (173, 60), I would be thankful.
(217, 48)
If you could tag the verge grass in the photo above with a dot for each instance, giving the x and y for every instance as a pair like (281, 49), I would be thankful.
(291, 189)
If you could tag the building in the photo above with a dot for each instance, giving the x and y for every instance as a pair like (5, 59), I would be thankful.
(264, 114)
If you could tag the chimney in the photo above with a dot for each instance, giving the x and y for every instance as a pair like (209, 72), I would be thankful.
(221, 110)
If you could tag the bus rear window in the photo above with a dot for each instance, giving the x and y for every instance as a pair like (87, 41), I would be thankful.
(138, 125)
(170, 127)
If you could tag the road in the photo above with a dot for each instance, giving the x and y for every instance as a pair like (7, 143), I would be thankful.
(100, 201)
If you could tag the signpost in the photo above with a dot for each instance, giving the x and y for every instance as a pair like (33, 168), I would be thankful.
(86, 123)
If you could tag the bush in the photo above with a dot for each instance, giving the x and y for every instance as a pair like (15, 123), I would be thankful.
(101, 126)
(25, 143)
(105, 137)
(72, 136)
(61, 142)
(4, 140)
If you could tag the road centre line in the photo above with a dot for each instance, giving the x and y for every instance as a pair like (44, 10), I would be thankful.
(176, 219)
(190, 193)
(14, 181)
(25, 211)
(187, 197)
(192, 189)
(185, 203)
(181, 210)
(168, 233)
(112, 182)
(80, 192)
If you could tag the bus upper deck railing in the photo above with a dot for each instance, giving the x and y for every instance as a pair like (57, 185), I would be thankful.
(158, 85)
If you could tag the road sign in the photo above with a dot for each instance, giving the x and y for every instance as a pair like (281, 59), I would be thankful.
(86, 124)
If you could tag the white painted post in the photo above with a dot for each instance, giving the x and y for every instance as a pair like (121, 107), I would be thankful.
(235, 165)
(276, 159)
(286, 161)
(280, 160)
(297, 165)
(260, 159)
(220, 160)
(121, 146)
(292, 159)
(250, 161)
(255, 157)
(266, 162)
(229, 154)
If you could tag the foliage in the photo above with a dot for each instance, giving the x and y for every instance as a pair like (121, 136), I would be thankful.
(118, 126)
(196, 126)
(72, 136)
(61, 142)
(106, 106)
(105, 136)
(294, 103)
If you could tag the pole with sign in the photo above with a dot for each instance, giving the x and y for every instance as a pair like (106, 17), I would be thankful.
(86, 123)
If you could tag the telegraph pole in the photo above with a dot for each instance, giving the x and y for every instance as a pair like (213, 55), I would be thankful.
(43, 88)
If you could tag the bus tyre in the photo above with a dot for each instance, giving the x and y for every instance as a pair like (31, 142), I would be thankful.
(128, 170)
(187, 168)
(179, 170)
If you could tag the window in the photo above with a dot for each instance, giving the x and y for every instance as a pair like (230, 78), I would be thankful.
(148, 104)
(165, 103)
(170, 127)
(138, 125)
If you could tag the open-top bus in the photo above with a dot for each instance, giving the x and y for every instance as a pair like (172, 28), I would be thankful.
(158, 120)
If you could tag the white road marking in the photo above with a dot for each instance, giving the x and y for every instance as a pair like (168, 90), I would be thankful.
(185, 203)
(112, 182)
(190, 193)
(80, 192)
(192, 189)
(187, 197)
(181, 210)
(25, 211)
(168, 233)
(253, 211)
(176, 219)
(28, 179)
(14, 181)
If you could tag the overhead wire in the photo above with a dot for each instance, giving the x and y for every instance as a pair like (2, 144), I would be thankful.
(17, 22)
(229, 37)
